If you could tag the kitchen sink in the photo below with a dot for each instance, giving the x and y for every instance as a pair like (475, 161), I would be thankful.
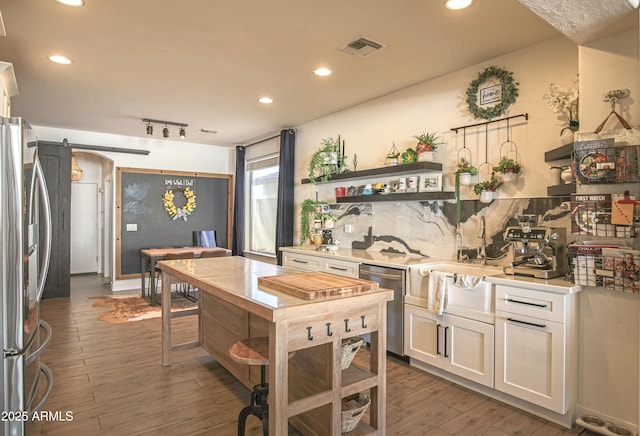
(478, 299)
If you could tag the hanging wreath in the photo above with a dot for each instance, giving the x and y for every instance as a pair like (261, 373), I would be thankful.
(179, 212)
(508, 95)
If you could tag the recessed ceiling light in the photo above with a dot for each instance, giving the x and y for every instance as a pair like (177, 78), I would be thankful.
(74, 3)
(60, 59)
(265, 100)
(457, 4)
(322, 71)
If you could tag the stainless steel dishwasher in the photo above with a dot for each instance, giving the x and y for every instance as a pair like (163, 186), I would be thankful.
(390, 278)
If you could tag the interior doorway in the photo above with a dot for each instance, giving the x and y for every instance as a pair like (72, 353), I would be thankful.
(92, 199)
(85, 247)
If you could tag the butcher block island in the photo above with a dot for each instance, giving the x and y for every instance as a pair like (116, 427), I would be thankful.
(306, 313)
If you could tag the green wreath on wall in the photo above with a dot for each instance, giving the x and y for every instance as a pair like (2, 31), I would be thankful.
(509, 93)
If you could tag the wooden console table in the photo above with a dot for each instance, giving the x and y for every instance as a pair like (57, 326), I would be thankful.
(307, 390)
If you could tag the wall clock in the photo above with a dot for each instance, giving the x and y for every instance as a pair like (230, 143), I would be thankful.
(491, 93)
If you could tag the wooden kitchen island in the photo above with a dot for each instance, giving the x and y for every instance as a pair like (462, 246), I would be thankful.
(305, 390)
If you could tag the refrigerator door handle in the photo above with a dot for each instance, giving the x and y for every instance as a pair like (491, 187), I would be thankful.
(47, 328)
(49, 375)
(44, 198)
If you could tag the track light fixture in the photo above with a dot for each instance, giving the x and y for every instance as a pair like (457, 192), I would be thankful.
(165, 130)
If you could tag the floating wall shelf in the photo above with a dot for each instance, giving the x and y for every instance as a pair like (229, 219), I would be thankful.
(392, 170)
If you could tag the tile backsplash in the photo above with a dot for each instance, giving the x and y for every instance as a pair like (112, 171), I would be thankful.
(428, 228)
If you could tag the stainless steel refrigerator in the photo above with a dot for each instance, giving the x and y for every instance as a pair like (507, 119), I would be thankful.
(25, 243)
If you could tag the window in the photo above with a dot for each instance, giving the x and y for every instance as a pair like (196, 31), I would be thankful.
(262, 202)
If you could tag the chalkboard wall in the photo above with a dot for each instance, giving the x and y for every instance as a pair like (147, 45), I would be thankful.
(143, 221)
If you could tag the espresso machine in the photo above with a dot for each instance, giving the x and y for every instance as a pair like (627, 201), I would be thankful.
(538, 251)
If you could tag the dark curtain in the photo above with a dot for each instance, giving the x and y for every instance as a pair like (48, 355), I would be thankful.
(286, 205)
(237, 245)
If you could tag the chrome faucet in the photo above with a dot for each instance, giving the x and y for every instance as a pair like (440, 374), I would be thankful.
(460, 246)
(482, 235)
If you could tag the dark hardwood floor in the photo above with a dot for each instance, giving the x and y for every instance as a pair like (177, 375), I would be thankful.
(110, 377)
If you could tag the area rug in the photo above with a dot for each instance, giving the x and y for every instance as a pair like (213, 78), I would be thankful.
(134, 308)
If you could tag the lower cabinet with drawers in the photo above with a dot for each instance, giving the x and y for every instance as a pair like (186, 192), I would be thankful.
(527, 359)
(535, 347)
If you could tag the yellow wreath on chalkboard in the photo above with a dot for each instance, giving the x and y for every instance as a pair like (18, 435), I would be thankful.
(179, 212)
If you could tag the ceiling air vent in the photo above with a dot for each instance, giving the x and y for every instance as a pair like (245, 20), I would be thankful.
(362, 47)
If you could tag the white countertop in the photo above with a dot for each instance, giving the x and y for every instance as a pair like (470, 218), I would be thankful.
(392, 260)
(403, 261)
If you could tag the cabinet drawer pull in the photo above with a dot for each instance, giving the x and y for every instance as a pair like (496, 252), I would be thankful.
(364, 326)
(338, 268)
(301, 261)
(329, 332)
(309, 337)
(438, 339)
(511, 300)
(445, 342)
(542, 326)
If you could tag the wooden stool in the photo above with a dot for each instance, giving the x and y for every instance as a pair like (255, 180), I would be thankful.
(254, 351)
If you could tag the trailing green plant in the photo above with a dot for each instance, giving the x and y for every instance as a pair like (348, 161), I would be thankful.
(427, 142)
(507, 165)
(307, 213)
(322, 165)
(487, 185)
(464, 166)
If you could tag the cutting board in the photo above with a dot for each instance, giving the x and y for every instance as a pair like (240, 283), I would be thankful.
(316, 285)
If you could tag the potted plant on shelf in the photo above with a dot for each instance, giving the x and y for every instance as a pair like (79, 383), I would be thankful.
(392, 156)
(409, 156)
(329, 221)
(326, 161)
(465, 171)
(427, 144)
(309, 212)
(486, 188)
(509, 168)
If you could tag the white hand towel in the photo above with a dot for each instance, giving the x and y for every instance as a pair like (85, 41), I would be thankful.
(466, 281)
(437, 292)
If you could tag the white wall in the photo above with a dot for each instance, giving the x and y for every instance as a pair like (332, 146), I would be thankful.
(371, 128)
(164, 155)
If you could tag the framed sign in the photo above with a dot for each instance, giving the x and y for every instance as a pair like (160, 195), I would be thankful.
(491, 93)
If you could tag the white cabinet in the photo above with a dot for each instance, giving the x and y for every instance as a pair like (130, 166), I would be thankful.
(458, 345)
(534, 358)
(309, 262)
(301, 261)
(340, 267)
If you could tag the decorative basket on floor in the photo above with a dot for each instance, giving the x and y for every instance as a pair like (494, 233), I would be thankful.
(350, 347)
(353, 408)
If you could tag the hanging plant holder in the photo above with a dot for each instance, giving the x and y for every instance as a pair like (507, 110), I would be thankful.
(487, 186)
(465, 167)
(509, 165)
